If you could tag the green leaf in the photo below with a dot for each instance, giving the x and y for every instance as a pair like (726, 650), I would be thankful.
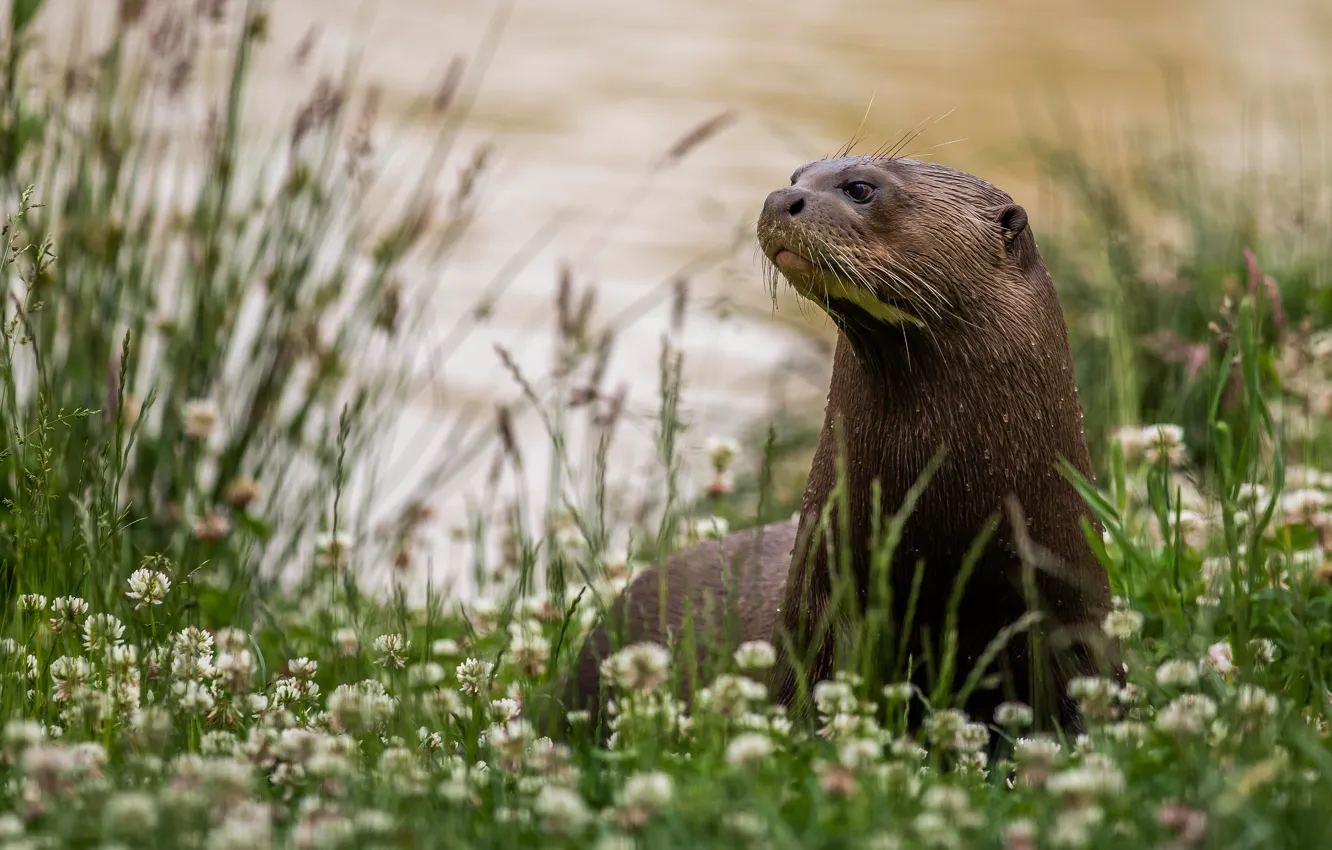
(24, 12)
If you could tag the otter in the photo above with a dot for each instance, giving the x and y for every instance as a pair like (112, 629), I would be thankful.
(952, 355)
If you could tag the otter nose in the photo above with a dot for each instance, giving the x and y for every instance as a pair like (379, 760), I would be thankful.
(788, 201)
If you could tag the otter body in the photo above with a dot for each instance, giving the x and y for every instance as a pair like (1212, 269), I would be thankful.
(729, 590)
(951, 344)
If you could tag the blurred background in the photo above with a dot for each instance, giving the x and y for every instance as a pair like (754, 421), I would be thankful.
(626, 148)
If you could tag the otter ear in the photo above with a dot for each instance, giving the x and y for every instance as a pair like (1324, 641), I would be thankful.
(1012, 220)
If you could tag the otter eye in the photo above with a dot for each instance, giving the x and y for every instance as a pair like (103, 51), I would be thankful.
(859, 192)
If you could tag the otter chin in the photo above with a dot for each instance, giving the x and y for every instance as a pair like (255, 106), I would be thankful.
(951, 344)
(791, 262)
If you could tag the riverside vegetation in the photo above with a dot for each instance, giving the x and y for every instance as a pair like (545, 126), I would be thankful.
(189, 661)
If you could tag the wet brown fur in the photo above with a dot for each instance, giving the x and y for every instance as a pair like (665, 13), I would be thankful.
(982, 371)
(729, 590)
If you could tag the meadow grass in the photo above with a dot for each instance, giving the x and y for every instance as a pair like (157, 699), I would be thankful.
(167, 466)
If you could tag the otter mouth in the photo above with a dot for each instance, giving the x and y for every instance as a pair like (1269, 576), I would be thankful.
(788, 260)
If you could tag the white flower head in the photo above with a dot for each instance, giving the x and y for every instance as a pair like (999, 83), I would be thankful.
(755, 655)
(201, 417)
(748, 749)
(641, 667)
(101, 632)
(650, 791)
(32, 602)
(392, 650)
(1177, 674)
(148, 587)
(721, 452)
(562, 810)
(474, 675)
(1122, 624)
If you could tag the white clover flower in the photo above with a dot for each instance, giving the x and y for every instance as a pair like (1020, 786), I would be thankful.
(217, 742)
(123, 658)
(1036, 751)
(704, 528)
(528, 648)
(1095, 696)
(331, 550)
(1074, 826)
(21, 734)
(616, 841)
(234, 669)
(1132, 440)
(1019, 834)
(745, 824)
(392, 650)
(101, 632)
(832, 698)
(1251, 494)
(1255, 703)
(1263, 650)
(68, 611)
(247, 826)
(504, 710)
(952, 801)
(32, 602)
(898, 692)
(1164, 441)
(721, 453)
(952, 730)
(749, 748)
(130, 813)
(1098, 776)
(561, 810)
(1014, 714)
(483, 614)
(1177, 674)
(148, 587)
(1122, 624)
(201, 417)
(650, 791)
(347, 642)
(1301, 506)
(730, 695)
(1127, 732)
(193, 697)
(303, 668)
(509, 741)
(445, 648)
(192, 653)
(1220, 658)
(641, 667)
(1186, 715)
(231, 640)
(859, 752)
(429, 673)
(474, 675)
(11, 829)
(445, 701)
(70, 675)
(936, 830)
(755, 655)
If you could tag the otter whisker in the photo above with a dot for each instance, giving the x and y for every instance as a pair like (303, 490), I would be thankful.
(938, 273)
(924, 151)
(893, 151)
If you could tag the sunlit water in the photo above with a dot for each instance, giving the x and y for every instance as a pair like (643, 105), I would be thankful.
(582, 96)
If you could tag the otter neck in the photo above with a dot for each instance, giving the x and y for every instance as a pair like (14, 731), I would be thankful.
(1004, 410)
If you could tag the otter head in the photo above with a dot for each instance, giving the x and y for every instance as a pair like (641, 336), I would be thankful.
(916, 248)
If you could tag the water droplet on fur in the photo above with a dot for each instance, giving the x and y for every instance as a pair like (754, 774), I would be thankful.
(1005, 417)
